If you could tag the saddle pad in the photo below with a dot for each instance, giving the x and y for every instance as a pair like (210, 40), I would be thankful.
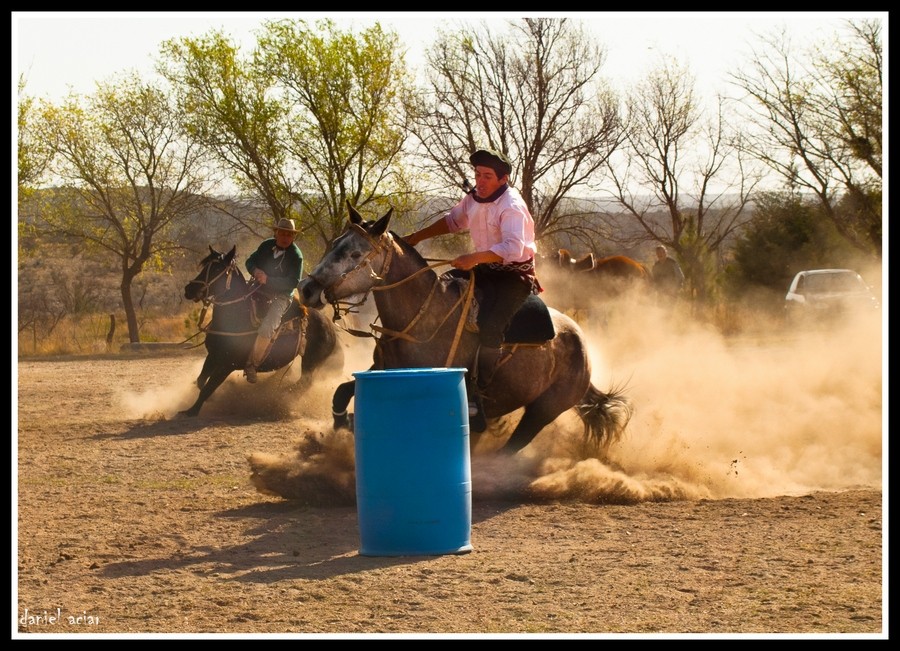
(531, 324)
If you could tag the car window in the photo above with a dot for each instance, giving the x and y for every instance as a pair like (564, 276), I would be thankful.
(836, 282)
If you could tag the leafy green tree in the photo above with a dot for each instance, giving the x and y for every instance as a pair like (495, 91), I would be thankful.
(130, 176)
(230, 107)
(312, 118)
(535, 93)
(33, 160)
(787, 234)
(33, 154)
(819, 124)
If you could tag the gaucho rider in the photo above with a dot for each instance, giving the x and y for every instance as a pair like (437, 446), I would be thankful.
(502, 232)
(276, 265)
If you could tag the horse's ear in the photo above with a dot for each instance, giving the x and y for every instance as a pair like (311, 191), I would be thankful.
(212, 251)
(355, 217)
(380, 227)
(230, 255)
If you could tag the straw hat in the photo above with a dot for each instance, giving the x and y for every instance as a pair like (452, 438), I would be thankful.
(286, 225)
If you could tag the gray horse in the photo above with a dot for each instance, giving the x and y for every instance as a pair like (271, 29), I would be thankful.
(425, 323)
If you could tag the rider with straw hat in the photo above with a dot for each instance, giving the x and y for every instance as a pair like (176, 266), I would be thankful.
(277, 265)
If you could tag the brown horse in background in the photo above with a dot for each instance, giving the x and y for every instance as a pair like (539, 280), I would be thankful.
(617, 267)
(582, 283)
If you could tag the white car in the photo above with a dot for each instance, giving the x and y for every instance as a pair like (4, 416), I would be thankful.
(823, 293)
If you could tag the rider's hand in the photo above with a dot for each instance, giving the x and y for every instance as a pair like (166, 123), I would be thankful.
(260, 276)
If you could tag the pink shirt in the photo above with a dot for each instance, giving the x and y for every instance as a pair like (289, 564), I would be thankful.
(503, 226)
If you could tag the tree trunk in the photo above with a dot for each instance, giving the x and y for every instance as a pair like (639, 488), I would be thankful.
(112, 331)
(134, 335)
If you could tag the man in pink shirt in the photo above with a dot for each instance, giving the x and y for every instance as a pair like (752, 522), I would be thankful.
(502, 232)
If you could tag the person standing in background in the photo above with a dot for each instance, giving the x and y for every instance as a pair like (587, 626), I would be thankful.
(668, 279)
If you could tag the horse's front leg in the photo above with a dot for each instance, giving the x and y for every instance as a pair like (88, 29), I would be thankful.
(204, 372)
(340, 402)
(216, 378)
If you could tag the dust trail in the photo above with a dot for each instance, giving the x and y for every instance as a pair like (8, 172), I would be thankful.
(779, 411)
(785, 412)
(175, 391)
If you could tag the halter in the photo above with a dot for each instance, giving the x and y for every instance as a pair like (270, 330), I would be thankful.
(378, 246)
(383, 243)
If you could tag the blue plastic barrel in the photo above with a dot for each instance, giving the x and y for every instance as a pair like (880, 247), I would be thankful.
(413, 471)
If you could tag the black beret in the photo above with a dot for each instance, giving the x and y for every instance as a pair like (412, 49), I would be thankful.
(493, 159)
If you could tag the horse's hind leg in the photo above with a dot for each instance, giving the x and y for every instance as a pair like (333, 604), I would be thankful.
(536, 417)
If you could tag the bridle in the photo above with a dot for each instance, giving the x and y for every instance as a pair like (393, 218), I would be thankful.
(382, 244)
(228, 271)
(209, 299)
(385, 244)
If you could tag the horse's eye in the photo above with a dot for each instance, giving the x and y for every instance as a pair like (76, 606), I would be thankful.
(356, 255)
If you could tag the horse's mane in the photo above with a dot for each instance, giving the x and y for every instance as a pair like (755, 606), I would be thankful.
(407, 248)
(218, 256)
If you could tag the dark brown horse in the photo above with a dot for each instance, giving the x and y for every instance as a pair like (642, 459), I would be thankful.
(423, 319)
(306, 333)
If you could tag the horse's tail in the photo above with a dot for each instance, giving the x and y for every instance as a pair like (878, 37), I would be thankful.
(605, 415)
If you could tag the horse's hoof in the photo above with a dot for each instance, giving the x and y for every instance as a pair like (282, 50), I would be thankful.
(187, 413)
(343, 421)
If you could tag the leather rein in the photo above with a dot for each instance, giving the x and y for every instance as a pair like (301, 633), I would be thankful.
(210, 299)
(385, 244)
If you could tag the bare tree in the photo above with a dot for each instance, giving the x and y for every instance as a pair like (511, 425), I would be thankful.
(684, 182)
(130, 173)
(818, 117)
(534, 93)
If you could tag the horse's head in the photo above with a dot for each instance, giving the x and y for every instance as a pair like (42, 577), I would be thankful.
(353, 264)
(569, 263)
(215, 273)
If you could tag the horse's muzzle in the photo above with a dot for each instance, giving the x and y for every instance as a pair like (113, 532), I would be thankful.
(190, 293)
(312, 294)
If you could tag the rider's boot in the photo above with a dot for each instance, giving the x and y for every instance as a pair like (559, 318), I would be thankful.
(477, 420)
(260, 346)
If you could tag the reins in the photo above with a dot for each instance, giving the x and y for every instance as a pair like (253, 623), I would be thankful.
(210, 301)
(465, 299)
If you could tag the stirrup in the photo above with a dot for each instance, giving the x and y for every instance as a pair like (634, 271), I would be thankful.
(477, 421)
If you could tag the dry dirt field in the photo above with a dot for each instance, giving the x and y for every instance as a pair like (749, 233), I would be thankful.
(132, 522)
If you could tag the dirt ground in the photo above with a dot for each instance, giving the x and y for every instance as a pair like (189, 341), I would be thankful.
(134, 522)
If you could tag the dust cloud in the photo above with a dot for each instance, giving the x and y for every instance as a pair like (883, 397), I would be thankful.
(772, 410)
(779, 412)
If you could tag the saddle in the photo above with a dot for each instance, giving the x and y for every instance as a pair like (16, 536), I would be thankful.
(531, 324)
(294, 318)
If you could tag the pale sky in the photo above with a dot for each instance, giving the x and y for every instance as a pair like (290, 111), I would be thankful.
(58, 51)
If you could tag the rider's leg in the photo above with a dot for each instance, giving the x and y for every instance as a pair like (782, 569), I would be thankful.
(264, 335)
(503, 294)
